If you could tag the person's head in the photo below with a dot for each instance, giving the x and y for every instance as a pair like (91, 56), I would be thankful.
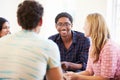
(96, 28)
(4, 27)
(29, 14)
(64, 23)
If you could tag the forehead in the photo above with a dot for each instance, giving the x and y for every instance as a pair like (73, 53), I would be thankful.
(5, 24)
(63, 19)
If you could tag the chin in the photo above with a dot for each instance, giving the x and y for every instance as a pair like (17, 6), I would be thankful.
(63, 35)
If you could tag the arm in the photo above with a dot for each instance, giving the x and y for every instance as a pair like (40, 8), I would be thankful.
(54, 71)
(70, 66)
(85, 75)
(89, 70)
(82, 55)
(54, 74)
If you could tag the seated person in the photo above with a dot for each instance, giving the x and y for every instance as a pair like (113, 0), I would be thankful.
(73, 45)
(25, 55)
(104, 55)
(4, 27)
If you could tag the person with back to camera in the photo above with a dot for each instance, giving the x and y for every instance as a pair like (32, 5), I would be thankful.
(25, 55)
(104, 55)
(4, 27)
(73, 45)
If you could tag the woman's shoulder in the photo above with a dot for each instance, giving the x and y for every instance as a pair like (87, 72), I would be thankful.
(111, 46)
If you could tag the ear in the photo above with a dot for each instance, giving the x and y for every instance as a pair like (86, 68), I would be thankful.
(40, 22)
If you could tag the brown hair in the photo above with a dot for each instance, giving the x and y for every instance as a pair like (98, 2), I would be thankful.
(29, 14)
(2, 21)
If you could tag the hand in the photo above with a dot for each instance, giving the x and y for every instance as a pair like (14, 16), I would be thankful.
(65, 65)
(67, 76)
(71, 76)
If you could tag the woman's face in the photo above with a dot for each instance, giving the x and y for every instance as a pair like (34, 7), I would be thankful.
(5, 29)
(87, 29)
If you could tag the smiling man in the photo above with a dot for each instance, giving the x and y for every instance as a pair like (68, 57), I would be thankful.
(73, 45)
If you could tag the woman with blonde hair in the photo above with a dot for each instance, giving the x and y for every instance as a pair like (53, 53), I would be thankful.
(104, 55)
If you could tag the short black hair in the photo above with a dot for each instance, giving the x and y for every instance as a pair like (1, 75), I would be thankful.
(64, 14)
(29, 13)
(2, 21)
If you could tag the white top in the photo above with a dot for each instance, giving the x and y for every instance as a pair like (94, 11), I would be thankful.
(27, 56)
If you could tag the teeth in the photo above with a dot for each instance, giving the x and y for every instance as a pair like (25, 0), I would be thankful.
(63, 31)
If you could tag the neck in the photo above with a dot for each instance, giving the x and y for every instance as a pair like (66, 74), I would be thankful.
(67, 39)
(36, 30)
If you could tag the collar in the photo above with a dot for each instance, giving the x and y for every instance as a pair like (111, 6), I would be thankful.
(73, 37)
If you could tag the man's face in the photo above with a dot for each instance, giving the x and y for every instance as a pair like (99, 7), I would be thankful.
(64, 26)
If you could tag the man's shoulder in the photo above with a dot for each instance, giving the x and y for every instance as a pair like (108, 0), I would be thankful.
(80, 36)
(78, 33)
(54, 36)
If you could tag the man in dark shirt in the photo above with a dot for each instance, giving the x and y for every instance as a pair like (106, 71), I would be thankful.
(73, 45)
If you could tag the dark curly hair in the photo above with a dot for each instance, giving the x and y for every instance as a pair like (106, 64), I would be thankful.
(29, 13)
(64, 14)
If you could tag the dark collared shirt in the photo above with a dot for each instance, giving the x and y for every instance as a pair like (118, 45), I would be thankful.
(78, 51)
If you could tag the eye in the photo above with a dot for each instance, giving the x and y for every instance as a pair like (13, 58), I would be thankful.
(67, 24)
(5, 27)
(64, 24)
(59, 24)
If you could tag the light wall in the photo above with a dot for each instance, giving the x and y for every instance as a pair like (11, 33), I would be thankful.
(8, 10)
(77, 8)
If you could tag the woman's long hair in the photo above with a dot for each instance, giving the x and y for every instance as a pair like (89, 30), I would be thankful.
(99, 33)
